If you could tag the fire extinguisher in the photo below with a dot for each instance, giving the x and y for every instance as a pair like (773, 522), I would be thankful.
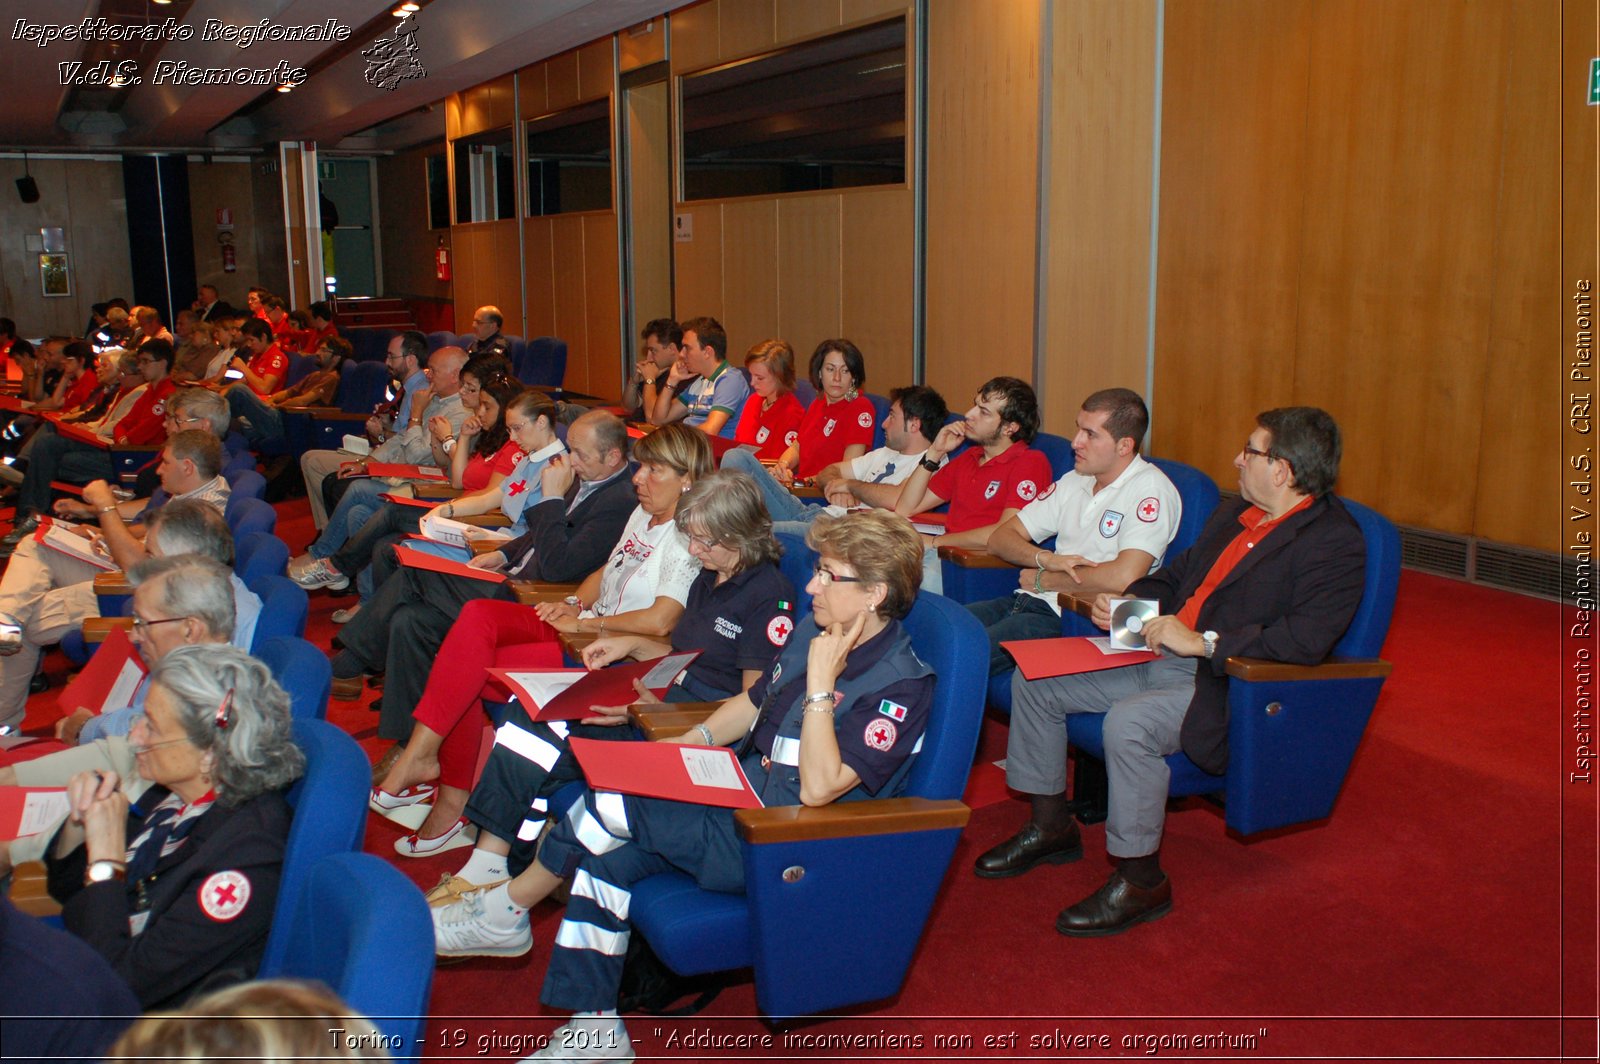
(228, 263)
(441, 262)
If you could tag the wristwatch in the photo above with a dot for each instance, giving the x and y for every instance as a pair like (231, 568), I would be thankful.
(1210, 640)
(104, 871)
(930, 464)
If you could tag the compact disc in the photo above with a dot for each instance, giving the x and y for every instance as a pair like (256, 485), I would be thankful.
(1128, 617)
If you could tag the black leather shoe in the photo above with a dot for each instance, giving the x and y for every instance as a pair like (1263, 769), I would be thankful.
(1116, 907)
(25, 527)
(1026, 848)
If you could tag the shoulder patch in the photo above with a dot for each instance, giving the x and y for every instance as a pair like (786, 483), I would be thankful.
(224, 895)
(864, 419)
(1149, 509)
(778, 630)
(880, 734)
(1026, 490)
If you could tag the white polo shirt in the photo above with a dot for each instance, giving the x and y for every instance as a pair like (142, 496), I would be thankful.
(1139, 510)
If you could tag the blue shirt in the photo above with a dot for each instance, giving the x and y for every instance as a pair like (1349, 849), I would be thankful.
(414, 383)
(725, 390)
(521, 487)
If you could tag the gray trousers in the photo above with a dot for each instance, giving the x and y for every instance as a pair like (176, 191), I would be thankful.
(1144, 707)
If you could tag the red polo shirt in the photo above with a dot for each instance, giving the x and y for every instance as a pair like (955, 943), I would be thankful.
(1256, 528)
(270, 363)
(829, 428)
(142, 424)
(774, 430)
(979, 493)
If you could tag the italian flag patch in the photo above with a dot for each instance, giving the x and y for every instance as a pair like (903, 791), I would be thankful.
(892, 710)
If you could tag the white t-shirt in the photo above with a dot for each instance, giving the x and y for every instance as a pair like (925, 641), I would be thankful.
(1139, 510)
(885, 466)
(646, 564)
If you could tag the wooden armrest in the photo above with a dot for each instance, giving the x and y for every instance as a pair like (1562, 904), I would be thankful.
(797, 823)
(532, 592)
(1079, 602)
(435, 491)
(574, 642)
(489, 520)
(115, 583)
(30, 890)
(95, 629)
(487, 546)
(808, 491)
(1263, 671)
(974, 558)
(333, 413)
(665, 721)
(642, 426)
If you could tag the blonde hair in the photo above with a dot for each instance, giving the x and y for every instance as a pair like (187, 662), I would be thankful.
(881, 546)
(683, 449)
(778, 357)
(276, 1021)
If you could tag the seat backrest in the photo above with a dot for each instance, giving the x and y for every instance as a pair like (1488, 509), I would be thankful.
(247, 483)
(804, 390)
(1057, 450)
(300, 367)
(544, 362)
(361, 386)
(797, 563)
(284, 606)
(440, 339)
(1200, 496)
(330, 816)
(1364, 638)
(948, 638)
(246, 515)
(363, 929)
(259, 554)
(300, 669)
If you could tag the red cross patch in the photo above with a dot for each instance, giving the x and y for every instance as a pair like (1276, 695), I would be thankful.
(791, 438)
(880, 734)
(515, 488)
(1149, 509)
(827, 426)
(1027, 489)
(224, 895)
(864, 419)
(762, 434)
(778, 630)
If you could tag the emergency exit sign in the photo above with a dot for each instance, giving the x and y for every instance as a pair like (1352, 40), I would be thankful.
(1594, 82)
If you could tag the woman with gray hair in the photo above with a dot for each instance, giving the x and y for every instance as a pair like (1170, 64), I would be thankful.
(178, 891)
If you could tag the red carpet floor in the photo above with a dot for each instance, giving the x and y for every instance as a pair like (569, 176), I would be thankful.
(1424, 919)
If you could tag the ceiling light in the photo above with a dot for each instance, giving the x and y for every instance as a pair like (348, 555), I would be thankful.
(163, 3)
(408, 6)
(285, 88)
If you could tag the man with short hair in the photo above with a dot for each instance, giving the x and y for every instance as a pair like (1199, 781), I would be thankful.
(1112, 517)
(45, 593)
(208, 305)
(260, 418)
(662, 338)
(1276, 574)
(712, 403)
(488, 339)
(278, 320)
(398, 433)
(915, 415)
(268, 364)
(322, 326)
(150, 327)
(587, 497)
(986, 484)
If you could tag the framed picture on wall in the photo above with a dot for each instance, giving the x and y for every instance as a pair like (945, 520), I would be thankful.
(54, 277)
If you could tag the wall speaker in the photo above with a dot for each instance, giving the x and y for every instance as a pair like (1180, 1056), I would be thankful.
(28, 189)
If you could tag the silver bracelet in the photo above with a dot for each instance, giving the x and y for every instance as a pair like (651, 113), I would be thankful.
(820, 696)
(705, 735)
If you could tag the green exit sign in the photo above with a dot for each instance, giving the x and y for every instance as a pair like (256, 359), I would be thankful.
(1594, 82)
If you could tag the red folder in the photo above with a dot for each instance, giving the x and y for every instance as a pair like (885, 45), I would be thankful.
(603, 687)
(704, 775)
(408, 472)
(12, 403)
(406, 500)
(417, 559)
(73, 431)
(30, 810)
(109, 680)
(1040, 659)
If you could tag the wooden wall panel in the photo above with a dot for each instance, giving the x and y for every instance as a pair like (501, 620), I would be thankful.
(504, 281)
(595, 69)
(697, 265)
(637, 50)
(809, 278)
(876, 282)
(650, 209)
(1097, 259)
(1233, 131)
(1527, 313)
(859, 10)
(84, 197)
(571, 321)
(796, 20)
(562, 71)
(982, 195)
(602, 361)
(294, 185)
(694, 37)
(745, 27)
(533, 90)
(539, 285)
(213, 185)
(407, 242)
(750, 272)
(1402, 178)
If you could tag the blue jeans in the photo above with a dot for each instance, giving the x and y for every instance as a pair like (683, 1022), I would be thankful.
(260, 419)
(781, 502)
(1017, 616)
(359, 502)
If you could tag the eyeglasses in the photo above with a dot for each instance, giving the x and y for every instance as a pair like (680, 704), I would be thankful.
(826, 576)
(706, 544)
(1251, 451)
(140, 624)
(144, 719)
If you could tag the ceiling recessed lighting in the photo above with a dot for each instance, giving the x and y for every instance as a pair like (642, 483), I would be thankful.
(162, 3)
(408, 6)
(285, 88)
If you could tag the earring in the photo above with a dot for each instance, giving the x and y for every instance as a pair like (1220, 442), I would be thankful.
(685, 489)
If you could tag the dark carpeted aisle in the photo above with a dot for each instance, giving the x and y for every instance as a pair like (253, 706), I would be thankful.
(1423, 918)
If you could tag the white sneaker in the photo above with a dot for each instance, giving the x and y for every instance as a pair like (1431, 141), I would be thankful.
(321, 573)
(465, 930)
(588, 1039)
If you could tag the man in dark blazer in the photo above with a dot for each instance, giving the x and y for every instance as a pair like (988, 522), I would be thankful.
(1276, 574)
(588, 495)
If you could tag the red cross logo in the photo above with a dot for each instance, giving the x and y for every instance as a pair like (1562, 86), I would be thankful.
(1149, 509)
(778, 630)
(224, 895)
(517, 487)
(1109, 524)
(228, 895)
